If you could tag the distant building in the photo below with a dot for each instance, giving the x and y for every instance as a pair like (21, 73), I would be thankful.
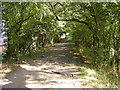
(3, 46)
(63, 35)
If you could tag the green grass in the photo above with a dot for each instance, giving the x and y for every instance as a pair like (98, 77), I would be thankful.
(101, 77)
(34, 54)
(24, 58)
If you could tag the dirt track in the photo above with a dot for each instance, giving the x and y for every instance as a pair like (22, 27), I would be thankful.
(54, 68)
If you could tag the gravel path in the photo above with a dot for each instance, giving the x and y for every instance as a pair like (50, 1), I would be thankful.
(54, 68)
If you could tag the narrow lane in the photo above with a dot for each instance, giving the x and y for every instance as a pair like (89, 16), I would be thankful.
(54, 68)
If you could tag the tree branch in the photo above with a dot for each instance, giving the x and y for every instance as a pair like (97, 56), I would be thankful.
(58, 3)
(71, 20)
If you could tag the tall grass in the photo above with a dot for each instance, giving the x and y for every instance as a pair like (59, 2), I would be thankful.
(90, 60)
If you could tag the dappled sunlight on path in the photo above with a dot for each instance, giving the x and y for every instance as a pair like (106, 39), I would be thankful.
(54, 68)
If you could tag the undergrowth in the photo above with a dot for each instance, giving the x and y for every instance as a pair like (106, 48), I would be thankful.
(23, 59)
(103, 75)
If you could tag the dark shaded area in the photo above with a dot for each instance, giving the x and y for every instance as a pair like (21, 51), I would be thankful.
(14, 77)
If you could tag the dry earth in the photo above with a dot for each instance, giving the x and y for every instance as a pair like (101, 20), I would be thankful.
(54, 68)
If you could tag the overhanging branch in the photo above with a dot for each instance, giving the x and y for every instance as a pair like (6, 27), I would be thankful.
(74, 20)
(71, 20)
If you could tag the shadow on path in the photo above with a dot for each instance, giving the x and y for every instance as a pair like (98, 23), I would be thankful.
(54, 68)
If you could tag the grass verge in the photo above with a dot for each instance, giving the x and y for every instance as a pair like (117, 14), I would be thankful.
(10, 66)
(96, 78)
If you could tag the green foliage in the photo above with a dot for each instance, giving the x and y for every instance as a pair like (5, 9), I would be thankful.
(101, 70)
(30, 27)
(95, 29)
(93, 26)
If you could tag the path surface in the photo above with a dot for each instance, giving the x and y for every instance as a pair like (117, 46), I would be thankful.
(54, 68)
